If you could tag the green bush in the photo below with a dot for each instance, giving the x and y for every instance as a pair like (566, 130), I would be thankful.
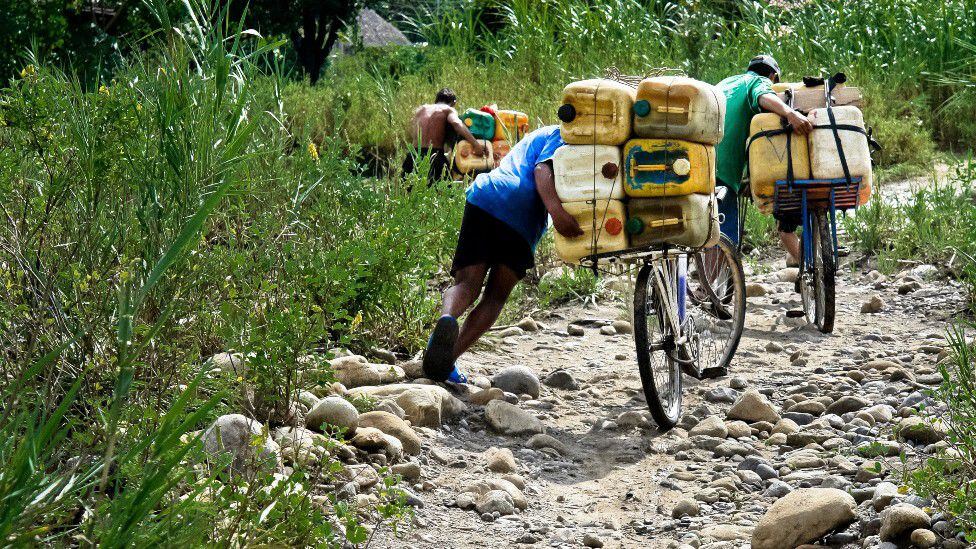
(948, 478)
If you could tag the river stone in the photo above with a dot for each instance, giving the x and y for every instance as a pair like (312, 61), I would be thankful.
(373, 440)
(686, 507)
(496, 501)
(424, 405)
(483, 486)
(803, 516)
(518, 380)
(899, 521)
(542, 440)
(395, 427)
(920, 430)
(500, 460)
(924, 539)
(753, 406)
(509, 419)
(235, 435)
(847, 404)
(561, 379)
(711, 426)
(333, 411)
(356, 371)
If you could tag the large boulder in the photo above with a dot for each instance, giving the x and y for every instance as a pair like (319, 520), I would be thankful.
(518, 380)
(228, 363)
(753, 406)
(393, 426)
(424, 405)
(244, 441)
(803, 516)
(846, 404)
(509, 419)
(356, 371)
(711, 426)
(335, 412)
(482, 487)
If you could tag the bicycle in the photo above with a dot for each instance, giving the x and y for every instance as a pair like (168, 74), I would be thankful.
(672, 338)
(817, 202)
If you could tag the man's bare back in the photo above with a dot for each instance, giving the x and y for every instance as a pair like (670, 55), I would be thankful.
(428, 127)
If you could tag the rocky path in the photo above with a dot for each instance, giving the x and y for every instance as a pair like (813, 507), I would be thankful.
(576, 460)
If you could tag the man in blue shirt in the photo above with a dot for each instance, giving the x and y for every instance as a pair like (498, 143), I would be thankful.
(505, 216)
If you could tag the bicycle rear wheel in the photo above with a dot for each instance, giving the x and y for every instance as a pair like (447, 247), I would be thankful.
(817, 283)
(717, 288)
(656, 347)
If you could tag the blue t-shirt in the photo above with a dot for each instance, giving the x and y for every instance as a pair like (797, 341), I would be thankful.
(508, 192)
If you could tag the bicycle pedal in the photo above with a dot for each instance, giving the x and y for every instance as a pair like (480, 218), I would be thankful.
(795, 313)
(712, 373)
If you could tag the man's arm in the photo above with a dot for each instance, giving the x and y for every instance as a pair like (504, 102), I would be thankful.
(772, 103)
(545, 185)
(455, 121)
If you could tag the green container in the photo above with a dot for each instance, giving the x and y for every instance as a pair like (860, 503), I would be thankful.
(481, 124)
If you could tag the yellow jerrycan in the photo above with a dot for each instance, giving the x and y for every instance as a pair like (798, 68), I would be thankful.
(781, 87)
(668, 167)
(465, 161)
(678, 107)
(824, 158)
(768, 156)
(602, 220)
(587, 172)
(596, 112)
(690, 220)
(511, 126)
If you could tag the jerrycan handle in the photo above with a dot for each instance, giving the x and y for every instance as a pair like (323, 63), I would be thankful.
(671, 110)
(680, 166)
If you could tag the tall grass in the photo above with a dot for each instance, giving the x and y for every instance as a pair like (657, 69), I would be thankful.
(907, 55)
(168, 214)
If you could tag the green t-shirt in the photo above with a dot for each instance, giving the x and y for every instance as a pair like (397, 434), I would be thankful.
(742, 93)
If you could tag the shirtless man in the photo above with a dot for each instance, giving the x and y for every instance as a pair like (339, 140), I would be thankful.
(428, 132)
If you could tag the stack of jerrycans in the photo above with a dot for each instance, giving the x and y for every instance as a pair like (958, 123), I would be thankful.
(499, 129)
(596, 118)
(771, 152)
(669, 168)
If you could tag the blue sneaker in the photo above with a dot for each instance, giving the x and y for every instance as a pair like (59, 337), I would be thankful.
(438, 361)
(457, 377)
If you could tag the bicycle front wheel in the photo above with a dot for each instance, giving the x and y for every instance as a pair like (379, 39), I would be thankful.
(656, 347)
(717, 288)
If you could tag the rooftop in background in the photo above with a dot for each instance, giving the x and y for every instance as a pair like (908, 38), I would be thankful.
(376, 31)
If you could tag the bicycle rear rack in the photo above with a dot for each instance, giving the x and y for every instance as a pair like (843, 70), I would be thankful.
(802, 195)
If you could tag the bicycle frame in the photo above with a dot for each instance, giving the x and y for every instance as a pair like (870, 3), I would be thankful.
(672, 286)
(816, 194)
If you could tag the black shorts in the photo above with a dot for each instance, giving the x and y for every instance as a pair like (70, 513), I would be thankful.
(438, 162)
(788, 222)
(486, 240)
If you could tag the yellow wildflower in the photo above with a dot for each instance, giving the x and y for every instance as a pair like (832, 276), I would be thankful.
(357, 320)
(313, 151)
(28, 71)
(103, 90)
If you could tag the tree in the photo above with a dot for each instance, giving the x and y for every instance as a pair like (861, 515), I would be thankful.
(313, 26)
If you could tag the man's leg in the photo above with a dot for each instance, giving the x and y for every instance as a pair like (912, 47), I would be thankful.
(438, 165)
(501, 281)
(790, 243)
(467, 286)
(438, 362)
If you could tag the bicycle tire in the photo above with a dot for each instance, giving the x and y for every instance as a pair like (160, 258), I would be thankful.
(730, 306)
(664, 402)
(824, 272)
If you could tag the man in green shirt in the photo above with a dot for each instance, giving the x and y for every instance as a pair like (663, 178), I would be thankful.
(746, 95)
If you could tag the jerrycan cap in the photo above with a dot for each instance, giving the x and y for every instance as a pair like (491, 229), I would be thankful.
(635, 225)
(681, 166)
(610, 170)
(566, 113)
(468, 122)
(642, 107)
(613, 226)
